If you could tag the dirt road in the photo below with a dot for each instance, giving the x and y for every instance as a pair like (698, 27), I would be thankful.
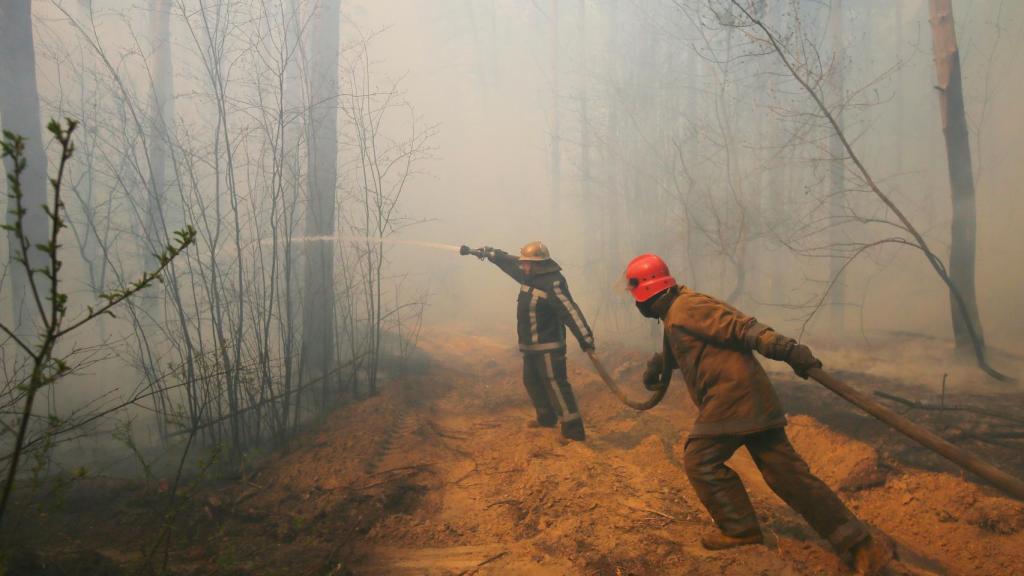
(440, 475)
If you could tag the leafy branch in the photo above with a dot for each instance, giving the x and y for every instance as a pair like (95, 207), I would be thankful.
(46, 367)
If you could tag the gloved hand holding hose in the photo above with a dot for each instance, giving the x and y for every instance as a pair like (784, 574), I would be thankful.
(652, 374)
(773, 345)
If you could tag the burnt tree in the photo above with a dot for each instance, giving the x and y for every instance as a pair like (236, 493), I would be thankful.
(961, 177)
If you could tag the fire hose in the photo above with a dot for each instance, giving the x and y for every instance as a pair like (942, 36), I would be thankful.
(1001, 480)
(654, 400)
(1006, 483)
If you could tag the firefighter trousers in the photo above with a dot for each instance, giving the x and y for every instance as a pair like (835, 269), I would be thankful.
(547, 383)
(786, 473)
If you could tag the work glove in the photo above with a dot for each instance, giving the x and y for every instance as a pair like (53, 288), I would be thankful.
(587, 346)
(652, 374)
(801, 359)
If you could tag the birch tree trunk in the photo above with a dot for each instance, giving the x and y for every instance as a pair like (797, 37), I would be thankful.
(961, 177)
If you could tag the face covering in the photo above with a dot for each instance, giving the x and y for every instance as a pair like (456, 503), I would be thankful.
(646, 308)
(656, 306)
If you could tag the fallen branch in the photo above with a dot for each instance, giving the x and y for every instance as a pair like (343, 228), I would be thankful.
(485, 562)
(643, 509)
(917, 404)
(509, 501)
(409, 471)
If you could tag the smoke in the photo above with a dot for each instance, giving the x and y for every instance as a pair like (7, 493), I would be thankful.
(604, 129)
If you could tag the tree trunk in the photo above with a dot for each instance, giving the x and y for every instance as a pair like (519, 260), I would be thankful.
(556, 131)
(901, 89)
(837, 165)
(961, 178)
(588, 202)
(319, 301)
(19, 113)
(161, 118)
(612, 164)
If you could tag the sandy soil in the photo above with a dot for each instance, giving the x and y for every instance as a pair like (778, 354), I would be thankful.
(440, 475)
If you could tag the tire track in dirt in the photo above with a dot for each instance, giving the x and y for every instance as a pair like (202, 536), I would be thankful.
(397, 438)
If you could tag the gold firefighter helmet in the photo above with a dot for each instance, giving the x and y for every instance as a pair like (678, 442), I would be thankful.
(534, 252)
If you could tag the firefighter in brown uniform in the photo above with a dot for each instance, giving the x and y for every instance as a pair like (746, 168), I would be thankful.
(543, 310)
(712, 344)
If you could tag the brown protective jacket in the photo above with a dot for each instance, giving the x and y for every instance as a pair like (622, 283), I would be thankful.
(711, 344)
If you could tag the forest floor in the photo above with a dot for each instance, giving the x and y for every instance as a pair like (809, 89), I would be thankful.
(439, 474)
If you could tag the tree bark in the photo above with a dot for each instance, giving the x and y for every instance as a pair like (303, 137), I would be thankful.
(19, 113)
(319, 302)
(161, 117)
(961, 177)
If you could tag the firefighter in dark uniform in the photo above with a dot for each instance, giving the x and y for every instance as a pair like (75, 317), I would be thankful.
(712, 344)
(544, 309)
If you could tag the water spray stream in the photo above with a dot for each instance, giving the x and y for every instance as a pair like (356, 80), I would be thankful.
(229, 250)
(340, 238)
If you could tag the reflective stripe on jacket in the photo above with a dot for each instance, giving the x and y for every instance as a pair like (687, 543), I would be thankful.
(545, 307)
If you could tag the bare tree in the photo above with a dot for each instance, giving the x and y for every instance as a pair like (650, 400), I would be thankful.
(808, 77)
(837, 162)
(961, 177)
(318, 329)
(46, 366)
(161, 112)
(388, 157)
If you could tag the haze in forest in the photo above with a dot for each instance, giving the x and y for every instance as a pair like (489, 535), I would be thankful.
(605, 128)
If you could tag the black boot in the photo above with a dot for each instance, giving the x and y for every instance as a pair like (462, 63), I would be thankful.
(573, 430)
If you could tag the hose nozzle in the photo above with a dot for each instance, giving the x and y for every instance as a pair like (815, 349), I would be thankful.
(480, 253)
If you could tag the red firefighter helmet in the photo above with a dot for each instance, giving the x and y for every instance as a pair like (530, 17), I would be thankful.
(646, 276)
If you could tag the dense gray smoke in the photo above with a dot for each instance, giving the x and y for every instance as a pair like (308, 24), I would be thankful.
(333, 156)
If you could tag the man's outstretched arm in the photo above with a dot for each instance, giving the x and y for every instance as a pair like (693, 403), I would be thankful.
(773, 345)
(508, 263)
(571, 315)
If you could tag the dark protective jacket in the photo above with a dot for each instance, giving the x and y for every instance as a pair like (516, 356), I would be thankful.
(545, 306)
(711, 343)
